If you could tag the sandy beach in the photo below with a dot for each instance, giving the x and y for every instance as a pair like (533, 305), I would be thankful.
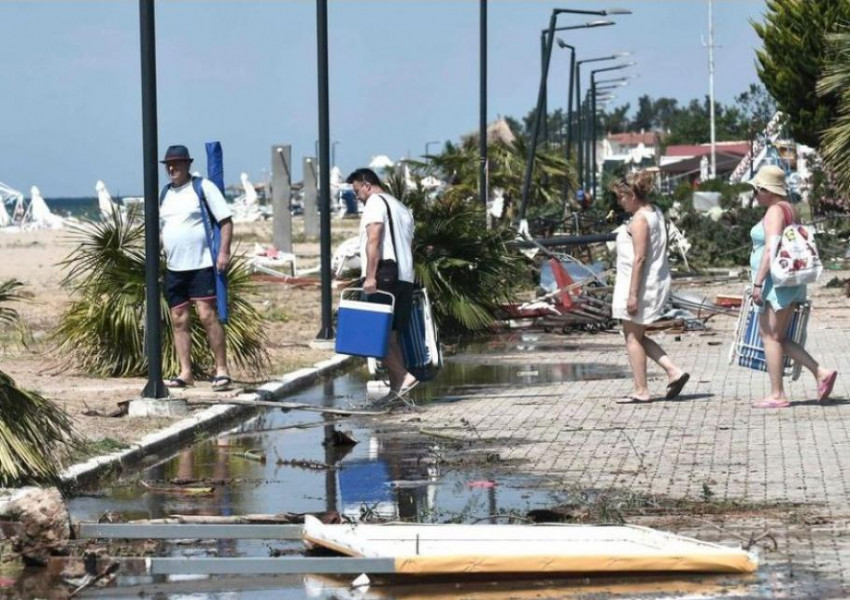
(293, 320)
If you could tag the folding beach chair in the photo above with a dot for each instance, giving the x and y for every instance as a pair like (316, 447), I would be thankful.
(747, 346)
(420, 343)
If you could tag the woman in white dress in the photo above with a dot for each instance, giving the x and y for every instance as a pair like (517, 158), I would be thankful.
(642, 285)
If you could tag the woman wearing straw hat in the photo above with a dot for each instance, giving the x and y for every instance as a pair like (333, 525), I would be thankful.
(642, 286)
(776, 305)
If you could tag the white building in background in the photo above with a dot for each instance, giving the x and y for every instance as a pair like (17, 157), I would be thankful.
(631, 148)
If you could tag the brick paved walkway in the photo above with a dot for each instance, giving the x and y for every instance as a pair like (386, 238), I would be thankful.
(709, 441)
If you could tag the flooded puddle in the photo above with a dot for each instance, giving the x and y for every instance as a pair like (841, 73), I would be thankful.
(279, 461)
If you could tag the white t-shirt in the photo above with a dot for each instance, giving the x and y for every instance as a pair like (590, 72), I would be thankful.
(375, 211)
(183, 234)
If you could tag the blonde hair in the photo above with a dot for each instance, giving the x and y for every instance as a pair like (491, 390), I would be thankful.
(640, 183)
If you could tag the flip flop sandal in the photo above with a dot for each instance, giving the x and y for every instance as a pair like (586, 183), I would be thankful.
(221, 383)
(634, 400)
(825, 386)
(674, 388)
(407, 389)
(176, 382)
(772, 404)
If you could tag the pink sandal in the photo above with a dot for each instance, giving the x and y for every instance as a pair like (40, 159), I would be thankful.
(772, 403)
(825, 386)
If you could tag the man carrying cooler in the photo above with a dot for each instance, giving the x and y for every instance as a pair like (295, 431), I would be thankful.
(386, 237)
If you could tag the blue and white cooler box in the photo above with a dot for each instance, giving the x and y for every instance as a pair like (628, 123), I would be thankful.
(420, 342)
(747, 346)
(363, 328)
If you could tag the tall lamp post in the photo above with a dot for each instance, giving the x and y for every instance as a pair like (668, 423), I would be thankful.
(429, 144)
(612, 85)
(543, 33)
(582, 130)
(541, 93)
(327, 330)
(593, 116)
(482, 106)
(155, 387)
(591, 111)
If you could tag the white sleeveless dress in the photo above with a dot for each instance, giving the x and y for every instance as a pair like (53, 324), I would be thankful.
(655, 288)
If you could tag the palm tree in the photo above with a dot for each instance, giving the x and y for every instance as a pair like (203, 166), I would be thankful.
(102, 332)
(458, 164)
(31, 427)
(468, 270)
(835, 146)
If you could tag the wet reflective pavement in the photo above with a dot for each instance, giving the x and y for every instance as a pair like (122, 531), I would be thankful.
(277, 461)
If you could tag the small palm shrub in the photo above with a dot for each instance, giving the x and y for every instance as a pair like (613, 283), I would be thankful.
(31, 427)
(102, 330)
(469, 271)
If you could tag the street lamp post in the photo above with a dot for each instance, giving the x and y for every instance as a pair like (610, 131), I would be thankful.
(588, 120)
(155, 387)
(543, 32)
(562, 44)
(541, 93)
(327, 330)
(333, 154)
(429, 144)
(582, 131)
(482, 106)
(593, 116)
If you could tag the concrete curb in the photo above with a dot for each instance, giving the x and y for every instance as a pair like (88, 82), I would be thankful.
(202, 421)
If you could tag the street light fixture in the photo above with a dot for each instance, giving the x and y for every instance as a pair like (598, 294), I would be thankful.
(619, 82)
(541, 92)
(593, 115)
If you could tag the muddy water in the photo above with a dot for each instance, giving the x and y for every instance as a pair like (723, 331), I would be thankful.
(278, 461)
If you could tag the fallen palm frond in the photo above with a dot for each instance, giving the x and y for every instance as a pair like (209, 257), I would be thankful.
(32, 429)
(9, 293)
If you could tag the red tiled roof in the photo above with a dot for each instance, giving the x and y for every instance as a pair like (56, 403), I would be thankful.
(648, 138)
(739, 148)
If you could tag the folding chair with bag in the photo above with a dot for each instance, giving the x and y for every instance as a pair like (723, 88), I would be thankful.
(747, 347)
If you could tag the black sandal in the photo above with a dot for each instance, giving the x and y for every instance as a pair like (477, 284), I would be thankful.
(221, 383)
(674, 388)
(176, 383)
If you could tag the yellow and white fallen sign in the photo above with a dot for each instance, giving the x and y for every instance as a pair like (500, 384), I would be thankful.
(440, 549)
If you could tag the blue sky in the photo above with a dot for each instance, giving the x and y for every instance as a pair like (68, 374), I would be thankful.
(402, 73)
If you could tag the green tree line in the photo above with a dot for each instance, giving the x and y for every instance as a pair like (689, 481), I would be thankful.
(679, 123)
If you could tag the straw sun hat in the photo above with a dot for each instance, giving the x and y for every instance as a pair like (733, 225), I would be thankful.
(771, 178)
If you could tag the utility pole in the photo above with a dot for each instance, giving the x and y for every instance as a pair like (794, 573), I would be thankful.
(711, 89)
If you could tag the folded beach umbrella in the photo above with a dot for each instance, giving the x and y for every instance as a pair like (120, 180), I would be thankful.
(215, 173)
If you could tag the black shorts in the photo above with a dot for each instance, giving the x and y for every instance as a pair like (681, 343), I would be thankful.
(403, 292)
(182, 287)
